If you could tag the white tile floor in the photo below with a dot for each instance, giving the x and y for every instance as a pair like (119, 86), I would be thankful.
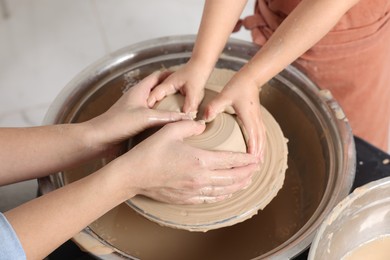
(45, 43)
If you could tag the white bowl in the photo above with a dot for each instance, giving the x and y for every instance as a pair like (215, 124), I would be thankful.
(361, 218)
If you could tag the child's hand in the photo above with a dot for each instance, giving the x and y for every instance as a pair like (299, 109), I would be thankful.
(190, 81)
(243, 97)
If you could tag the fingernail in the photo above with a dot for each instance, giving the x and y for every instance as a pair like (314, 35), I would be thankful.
(210, 117)
(150, 102)
(202, 122)
(185, 116)
(207, 120)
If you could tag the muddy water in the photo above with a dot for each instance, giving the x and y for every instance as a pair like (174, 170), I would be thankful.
(377, 249)
(280, 220)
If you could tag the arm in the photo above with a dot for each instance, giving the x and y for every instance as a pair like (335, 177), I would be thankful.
(192, 176)
(305, 26)
(28, 153)
(218, 20)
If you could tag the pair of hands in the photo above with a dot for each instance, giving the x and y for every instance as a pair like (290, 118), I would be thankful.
(240, 93)
(163, 167)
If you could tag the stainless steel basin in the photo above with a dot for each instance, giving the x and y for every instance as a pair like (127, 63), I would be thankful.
(320, 174)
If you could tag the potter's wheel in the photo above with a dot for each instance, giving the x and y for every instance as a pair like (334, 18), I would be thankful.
(222, 134)
(319, 142)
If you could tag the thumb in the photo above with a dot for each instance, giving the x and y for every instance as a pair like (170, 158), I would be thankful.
(184, 129)
(216, 106)
(151, 80)
(159, 92)
(160, 117)
(192, 101)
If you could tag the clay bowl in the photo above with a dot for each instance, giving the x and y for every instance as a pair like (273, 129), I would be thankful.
(361, 218)
(321, 161)
(222, 134)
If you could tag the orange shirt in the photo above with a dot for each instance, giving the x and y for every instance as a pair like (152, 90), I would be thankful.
(352, 61)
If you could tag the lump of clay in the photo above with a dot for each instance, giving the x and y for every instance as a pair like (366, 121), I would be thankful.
(222, 134)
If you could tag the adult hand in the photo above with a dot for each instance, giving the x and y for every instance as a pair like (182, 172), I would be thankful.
(243, 96)
(165, 168)
(131, 114)
(190, 80)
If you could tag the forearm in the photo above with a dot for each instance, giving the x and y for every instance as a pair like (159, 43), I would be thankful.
(218, 20)
(28, 153)
(45, 223)
(304, 27)
(191, 176)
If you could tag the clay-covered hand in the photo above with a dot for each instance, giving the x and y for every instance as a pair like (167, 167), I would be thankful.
(131, 114)
(190, 80)
(169, 170)
(241, 96)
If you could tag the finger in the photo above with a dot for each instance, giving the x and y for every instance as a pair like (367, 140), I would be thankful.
(168, 196)
(165, 74)
(222, 178)
(207, 194)
(216, 160)
(143, 87)
(184, 129)
(151, 81)
(216, 106)
(159, 92)
(216, 191)
(160, 117)
(142, 90)
(252, 127)
(212, 194)
(204, 199)
(192, 101)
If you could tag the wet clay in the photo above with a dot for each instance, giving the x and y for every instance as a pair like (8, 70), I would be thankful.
(377, 249)
(222, 134)
(305, 180)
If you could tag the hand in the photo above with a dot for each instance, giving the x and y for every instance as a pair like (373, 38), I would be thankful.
(243, 97)
(190, 80)
(131, 114)
(169, 170)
